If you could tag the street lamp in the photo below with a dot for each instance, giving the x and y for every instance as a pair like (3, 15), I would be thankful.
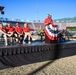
(1, 8)
(2, 12)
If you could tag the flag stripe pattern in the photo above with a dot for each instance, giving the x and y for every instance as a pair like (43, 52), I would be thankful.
(52, 32)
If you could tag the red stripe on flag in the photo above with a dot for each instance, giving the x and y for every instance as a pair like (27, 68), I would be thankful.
(50, 37)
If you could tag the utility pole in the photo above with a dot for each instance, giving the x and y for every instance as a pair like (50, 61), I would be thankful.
(37, 10)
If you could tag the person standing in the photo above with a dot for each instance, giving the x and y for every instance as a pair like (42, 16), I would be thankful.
(48, 20)
(51, 30)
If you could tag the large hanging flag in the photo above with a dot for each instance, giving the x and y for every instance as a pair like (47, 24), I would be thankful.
(52, 31)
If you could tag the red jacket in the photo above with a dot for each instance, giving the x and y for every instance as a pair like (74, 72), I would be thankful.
(48, 21)
(10, 29)
(26, 29)
(19, 30)
(3, 29)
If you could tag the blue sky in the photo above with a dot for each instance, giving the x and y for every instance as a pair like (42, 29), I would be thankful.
(38, 9)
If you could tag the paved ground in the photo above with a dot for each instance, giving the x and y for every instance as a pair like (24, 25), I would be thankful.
(63, 66)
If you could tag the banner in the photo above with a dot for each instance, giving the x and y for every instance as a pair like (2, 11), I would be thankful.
(52, 32)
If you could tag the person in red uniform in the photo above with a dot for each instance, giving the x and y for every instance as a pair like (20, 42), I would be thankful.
(10, 31)
(19, 33)
(48, 20)
(3, 32)
(26, 31)
(50, 29)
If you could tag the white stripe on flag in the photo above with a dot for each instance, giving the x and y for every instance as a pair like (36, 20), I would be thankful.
(51, 34)
(53, 28)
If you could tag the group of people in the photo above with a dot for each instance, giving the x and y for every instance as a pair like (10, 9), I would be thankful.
(20, 33)
(16, 33)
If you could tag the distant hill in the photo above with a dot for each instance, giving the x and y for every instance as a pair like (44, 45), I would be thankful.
(65, 20)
